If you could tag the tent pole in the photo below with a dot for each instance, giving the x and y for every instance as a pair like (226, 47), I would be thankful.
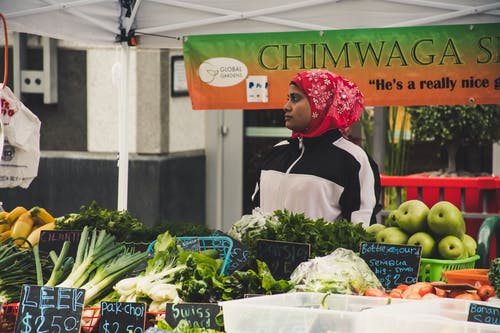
(122, 129)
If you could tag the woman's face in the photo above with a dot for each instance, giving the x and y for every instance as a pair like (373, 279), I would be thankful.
(297, 110)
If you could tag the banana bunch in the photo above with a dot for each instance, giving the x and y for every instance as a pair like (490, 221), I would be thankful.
(25, 226)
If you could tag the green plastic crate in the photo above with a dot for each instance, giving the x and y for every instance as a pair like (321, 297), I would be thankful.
(431, 269)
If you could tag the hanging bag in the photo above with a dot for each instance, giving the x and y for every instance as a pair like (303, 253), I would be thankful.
(20, 137)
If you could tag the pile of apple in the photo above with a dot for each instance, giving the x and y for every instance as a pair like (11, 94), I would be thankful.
(439, 230)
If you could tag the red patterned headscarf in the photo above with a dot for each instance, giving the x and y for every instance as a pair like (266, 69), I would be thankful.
(335, 102)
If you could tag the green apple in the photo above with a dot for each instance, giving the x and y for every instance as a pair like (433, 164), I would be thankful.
(426, 241)
(392, 219)
(374, 229)
(412, 216)
(451, 248)
(470, 245)
(446, 219)
(392, 235)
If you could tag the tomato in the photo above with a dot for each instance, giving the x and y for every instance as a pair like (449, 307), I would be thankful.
(469, 296)
(374, 292)
(486, 291)
(396, 293)
(426, 289)
(402, 287)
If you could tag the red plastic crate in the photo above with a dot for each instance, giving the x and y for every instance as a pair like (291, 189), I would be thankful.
(8, 317)
(90, 320)
(89, 323)
(434, 189)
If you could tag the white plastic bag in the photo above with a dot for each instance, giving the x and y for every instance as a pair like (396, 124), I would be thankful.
(21, 142)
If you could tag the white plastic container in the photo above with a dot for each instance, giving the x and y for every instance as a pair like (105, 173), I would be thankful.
(443, 315)
(297, 313)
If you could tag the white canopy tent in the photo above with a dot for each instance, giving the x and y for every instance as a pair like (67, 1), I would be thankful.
(163, 23)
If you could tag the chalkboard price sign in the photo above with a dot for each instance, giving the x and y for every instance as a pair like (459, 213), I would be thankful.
(117, 317)
(392, 264)
(196, 314)
(49, 309)
(485, 314)
(282, 257)
(53, 240)
(239, 254)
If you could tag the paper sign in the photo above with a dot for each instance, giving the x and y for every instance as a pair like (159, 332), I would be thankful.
(257, 89)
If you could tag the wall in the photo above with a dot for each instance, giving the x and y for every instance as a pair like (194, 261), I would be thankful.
(79, 138)
(168, 188)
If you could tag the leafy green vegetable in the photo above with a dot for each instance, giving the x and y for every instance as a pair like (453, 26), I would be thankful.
(17, 267)
(494, 275)
(261, 282)
(120, 224)
(201, 280)
(124, 226)
(323, 236)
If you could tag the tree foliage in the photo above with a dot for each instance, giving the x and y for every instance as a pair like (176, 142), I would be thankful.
(456, 126)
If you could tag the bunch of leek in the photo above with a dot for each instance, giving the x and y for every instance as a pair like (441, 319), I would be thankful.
(100, 261)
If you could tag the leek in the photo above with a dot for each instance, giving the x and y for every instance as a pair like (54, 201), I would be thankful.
(61, 264)
(91, 253)
(107, 274)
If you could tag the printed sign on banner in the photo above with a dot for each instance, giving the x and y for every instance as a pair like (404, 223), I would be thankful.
(419, 65)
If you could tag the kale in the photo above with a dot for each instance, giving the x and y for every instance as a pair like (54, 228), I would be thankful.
(494, 275)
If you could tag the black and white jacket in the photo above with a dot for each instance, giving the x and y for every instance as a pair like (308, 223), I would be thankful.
(325, 177)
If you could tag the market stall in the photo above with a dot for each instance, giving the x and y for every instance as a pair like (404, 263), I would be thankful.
(317, 275)
(315, 269)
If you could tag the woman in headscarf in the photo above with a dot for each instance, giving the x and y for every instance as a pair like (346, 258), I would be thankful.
(317, 171)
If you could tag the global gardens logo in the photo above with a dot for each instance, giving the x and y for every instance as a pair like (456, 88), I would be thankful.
(222, 72)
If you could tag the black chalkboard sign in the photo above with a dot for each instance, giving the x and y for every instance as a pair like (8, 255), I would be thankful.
(485, 314)
(282, 257)
(49, 309)
(53, 240)
(196, 314)
(117, 317)
(239, 254)
(392, 264)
